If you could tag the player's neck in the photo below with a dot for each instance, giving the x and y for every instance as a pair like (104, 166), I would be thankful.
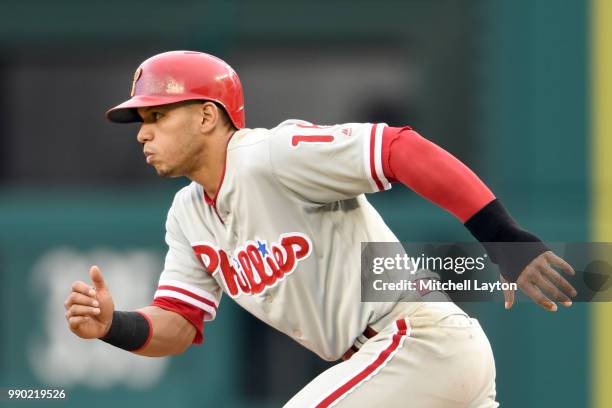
(211, 164)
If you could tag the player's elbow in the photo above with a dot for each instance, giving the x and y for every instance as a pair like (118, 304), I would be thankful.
(181, 350)
(184, 341)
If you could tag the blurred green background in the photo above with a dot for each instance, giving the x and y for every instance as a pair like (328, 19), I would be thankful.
(502, 84)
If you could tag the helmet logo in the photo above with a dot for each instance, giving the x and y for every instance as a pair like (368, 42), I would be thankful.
(174, 87)
(137, 75)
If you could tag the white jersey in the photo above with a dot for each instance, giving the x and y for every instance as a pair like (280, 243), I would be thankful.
(283, 235)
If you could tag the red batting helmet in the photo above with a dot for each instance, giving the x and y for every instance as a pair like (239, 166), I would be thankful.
(180, 76)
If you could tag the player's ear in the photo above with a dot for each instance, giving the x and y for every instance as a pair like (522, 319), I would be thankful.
(209, 116)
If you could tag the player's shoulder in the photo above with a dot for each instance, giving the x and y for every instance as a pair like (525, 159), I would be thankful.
(249, 139)
(256, 136)
(289, 124)
(245, 139)
(292, 127)
(187, 196)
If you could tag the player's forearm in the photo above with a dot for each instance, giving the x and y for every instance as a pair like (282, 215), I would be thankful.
(171, 333)
(150, 331)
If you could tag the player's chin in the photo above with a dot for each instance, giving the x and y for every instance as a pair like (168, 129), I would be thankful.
(160, 169)
(165, 171)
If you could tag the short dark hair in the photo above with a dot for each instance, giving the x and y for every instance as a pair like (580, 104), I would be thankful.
(224, 115)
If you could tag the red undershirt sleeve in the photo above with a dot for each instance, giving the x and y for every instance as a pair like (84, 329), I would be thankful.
(433, 173)
(194, 315)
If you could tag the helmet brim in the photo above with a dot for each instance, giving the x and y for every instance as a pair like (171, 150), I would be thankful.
(126, 112)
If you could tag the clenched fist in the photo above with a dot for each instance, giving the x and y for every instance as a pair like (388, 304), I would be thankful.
(89, 310)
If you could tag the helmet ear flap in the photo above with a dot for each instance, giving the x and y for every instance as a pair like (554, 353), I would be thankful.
(179, 76)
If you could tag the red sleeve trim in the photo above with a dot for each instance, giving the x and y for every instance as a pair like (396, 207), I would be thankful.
(193, 295)
(390, 134)
(188, 293)
(150, 336)
(373, 174)
(373, 158)
(192, 314)
(433, 173)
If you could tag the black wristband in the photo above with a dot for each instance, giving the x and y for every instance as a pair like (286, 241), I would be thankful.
(129, 331)
(508, 245)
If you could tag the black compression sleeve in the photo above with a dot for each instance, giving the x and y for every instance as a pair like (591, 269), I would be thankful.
(508, 245)
(129, 331)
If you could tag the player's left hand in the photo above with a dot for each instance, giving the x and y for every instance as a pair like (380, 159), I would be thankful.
(541, 282)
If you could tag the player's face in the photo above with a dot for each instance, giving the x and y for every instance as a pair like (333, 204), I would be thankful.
(171, 138)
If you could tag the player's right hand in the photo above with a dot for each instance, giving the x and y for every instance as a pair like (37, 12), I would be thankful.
(89, 308)
(543, 284)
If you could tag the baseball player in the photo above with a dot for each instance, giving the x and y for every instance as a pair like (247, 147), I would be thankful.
(275, 218)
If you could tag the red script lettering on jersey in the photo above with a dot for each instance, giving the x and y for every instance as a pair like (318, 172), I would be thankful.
(256, 265)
